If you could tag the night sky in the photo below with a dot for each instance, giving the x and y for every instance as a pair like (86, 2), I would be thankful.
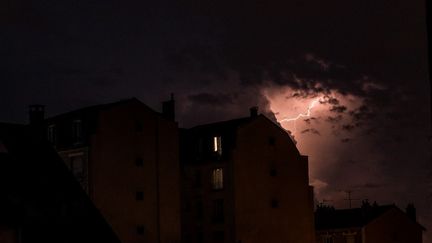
(362, 65)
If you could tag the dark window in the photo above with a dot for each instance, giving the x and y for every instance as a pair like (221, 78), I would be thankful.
(197, 179)
(77, 131)
(218, 211)
(52, 134)
(272, 141)
(187, 206)
(138, 126)
(139, 162)
(77, 166)
(140, 229)
(218, 235)
(139, 196)
(199, 210)
(200, 235)
(273, 172)
(274, 203)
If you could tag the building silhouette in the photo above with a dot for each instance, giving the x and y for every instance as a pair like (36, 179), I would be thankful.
(40, 200)
(368, 224)
(125, 156)
(244, 181)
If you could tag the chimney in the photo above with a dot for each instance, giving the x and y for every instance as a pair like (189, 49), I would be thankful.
(36, 114)
(253, 111)
(411, 212)
(168, 109)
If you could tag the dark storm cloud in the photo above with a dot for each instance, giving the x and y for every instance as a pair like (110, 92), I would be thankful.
(212, 99)
(348, 127)
(334, 119)
(345, 140)
(309, 120)
(311, 130)
(338, 109)
(362, 113)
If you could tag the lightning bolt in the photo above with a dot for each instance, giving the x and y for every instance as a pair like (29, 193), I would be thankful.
(307, 114)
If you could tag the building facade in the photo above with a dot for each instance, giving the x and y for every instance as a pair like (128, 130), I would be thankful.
(368, 224)
(244, 181)
(125, 156)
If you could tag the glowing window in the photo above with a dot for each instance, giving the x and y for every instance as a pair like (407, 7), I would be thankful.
(217, 145)
(217, 179)
(328, 239)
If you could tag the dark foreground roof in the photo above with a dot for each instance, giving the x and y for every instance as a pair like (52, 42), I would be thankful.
(41, 197)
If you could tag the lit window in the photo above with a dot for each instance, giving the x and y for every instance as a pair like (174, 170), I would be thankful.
(51, 134)
(328, 239)
(350, 239)
(77, 131)
(217, 179)
(217, 145)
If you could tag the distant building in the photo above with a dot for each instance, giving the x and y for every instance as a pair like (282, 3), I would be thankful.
(125, 156)
(368, 224)
(244, 181)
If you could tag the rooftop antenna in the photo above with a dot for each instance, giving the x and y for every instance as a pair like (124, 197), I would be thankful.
(349, 198)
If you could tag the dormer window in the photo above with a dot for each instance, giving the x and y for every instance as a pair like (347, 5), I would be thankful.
(77, 131)
(217, 145)
(51, 134)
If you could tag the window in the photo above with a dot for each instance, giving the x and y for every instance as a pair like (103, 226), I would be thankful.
(217, 179)
(197, 179)
(77, 166)
(199, 209)
(274, 203)
(200, 235)
(138, 126)
(350, 236)
(77, 131)
(51, 134)
(327, 239)
(218, 235)
(139, 196)
(139, 162)
(218, 211)
(140, 229)
(217, 145)
(272, 141)
(350, 239)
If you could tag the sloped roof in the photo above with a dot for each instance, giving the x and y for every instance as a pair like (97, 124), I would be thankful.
(42, 197)
(330, 218)
(222, 125)
(96, 108)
